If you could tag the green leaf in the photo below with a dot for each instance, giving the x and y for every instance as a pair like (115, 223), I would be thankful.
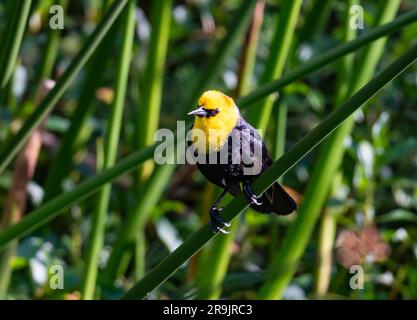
(13, 36)
(10, 150)
(398, 215)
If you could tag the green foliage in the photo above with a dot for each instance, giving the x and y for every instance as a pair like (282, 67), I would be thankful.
(12, 36)
(120, 77)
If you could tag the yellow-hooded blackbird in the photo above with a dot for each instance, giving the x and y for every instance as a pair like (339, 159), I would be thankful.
(230, 154)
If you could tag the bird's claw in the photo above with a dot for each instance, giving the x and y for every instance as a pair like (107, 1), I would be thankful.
(217, 222)
(251, 196)
(255, 200)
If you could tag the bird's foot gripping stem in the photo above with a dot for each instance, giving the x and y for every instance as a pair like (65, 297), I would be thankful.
(217, 222)
(250, 195)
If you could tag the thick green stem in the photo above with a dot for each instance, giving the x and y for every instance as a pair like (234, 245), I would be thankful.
(278, 52)
(149, 111)
(327, 234)
(148, 115)
(193, 244)
(248, 56)
(140, 251)
(283, 264)
(315, 19)
(6, 269)
(13, 39)
(110, 152)
(328, 225)
(134, 223)
(313, 22)
(146, 124)
(63, 159)
(280, 128)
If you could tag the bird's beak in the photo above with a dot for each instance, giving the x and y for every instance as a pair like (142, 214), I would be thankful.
(200, 112)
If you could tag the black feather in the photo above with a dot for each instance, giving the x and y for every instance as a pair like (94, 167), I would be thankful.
(231, 175)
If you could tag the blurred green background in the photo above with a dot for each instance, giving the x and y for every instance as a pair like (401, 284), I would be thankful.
(357, 192)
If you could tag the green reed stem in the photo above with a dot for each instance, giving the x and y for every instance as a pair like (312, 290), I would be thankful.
(148, 115)
(13, 36)
(196, 241)
(134, 223)
(63, 159)
(278, 52)
(325, 244)
(283, 264)
(110, 151)
(328, 225)
(314, 19)
(149, 112)
(9, 151)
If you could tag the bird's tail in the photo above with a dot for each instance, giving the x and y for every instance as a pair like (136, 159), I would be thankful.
(276, 200)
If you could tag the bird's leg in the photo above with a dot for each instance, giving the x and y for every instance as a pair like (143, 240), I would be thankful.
(250, 195)
(216, 221)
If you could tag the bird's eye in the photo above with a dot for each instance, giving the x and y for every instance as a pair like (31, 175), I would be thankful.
(212, 112)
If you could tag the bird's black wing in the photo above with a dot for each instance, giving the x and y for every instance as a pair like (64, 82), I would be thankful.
(253, 148)
(275, 199)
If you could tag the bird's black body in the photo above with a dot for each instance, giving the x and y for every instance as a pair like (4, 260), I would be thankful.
(231, 154)
(230, 176)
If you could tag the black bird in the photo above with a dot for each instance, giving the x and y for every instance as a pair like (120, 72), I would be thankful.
(230, 153)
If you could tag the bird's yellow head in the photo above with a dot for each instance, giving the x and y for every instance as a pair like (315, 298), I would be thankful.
(216, 116)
